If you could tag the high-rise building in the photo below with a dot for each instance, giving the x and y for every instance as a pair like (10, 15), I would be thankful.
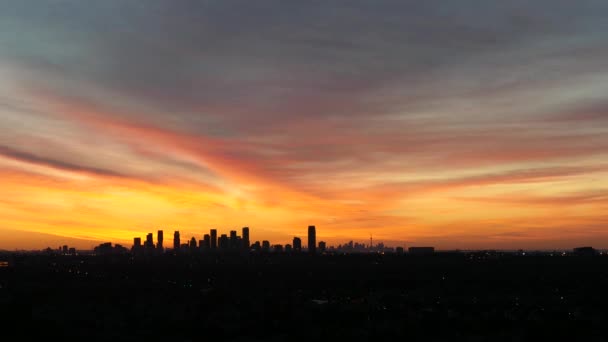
(136, 243)
(322, 246)
(246, 242)
(256, 246)
(297, 244)
(223, 241)
(233, 239)
(288, 248)
(312, 240)
(213, 233)
(159, 240)
(176, 240)
(149, 241)
(206, 241)
(265, 246)
(192, 244)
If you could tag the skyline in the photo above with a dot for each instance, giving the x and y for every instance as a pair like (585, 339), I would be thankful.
(472, 125)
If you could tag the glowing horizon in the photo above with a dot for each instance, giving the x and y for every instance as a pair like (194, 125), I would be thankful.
(462, 126)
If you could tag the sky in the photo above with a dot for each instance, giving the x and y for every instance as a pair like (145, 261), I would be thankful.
(456, 124)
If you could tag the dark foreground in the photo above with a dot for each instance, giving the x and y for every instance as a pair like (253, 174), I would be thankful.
(442, 297)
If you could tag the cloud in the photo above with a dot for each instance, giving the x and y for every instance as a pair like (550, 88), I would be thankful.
(31, 158)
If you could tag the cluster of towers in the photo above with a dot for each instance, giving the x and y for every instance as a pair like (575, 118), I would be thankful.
(225, 242)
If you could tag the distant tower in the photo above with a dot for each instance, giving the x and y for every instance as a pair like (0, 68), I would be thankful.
(312, 240)
(176, 240)
(322, 246)
(213, 233)
(233, 239)
(207, 241)
(136, 243)
(150, 241)
(266, 246)
(246, 242)
(159, 240)
(371, 242)
(223, 242)
(297, 244)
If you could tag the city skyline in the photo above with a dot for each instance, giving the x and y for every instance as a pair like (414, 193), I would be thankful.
(468, 125)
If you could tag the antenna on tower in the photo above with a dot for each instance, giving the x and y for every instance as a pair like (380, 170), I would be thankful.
(371, 241)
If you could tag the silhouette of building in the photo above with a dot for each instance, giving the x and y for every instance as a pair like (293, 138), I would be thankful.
(278, 248)
(265, 246)
(399, 250)
(288, 248)
(233, 239)
(159, 240)
(176, 240)
(297, 244)
(421, 250)
(584, 251)
(193, 244)
(312, 240)
(104, 249)
(64, 250)
(322, 246)
(256, 246)
(246, 241)
(150, 241)
(137, 245)
(206, 241)
(213, 234)
(223, 242)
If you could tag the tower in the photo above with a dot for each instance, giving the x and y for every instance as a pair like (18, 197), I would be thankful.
(159, 240)
(233, 239)
(297, 244)
(149, 241)
(246, 242)
(312, 240)
(213, 233)
(176, 240)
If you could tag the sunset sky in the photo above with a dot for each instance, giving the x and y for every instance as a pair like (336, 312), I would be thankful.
(458, 124)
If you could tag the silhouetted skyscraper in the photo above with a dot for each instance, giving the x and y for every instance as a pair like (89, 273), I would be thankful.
(322, 246)
(136, 243)
(223, 241)
(312, 240)
(246, 242)
(149, 241)
(176, 240)
(297, 244)
(233, 239)
(206, 241)
(193, 244)
(159, 240)
(266, 246)
(213, 233)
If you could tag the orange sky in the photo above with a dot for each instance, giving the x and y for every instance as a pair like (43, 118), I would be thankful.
(476, 132)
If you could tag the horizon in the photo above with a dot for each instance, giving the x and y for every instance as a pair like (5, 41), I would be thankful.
(470, 125)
